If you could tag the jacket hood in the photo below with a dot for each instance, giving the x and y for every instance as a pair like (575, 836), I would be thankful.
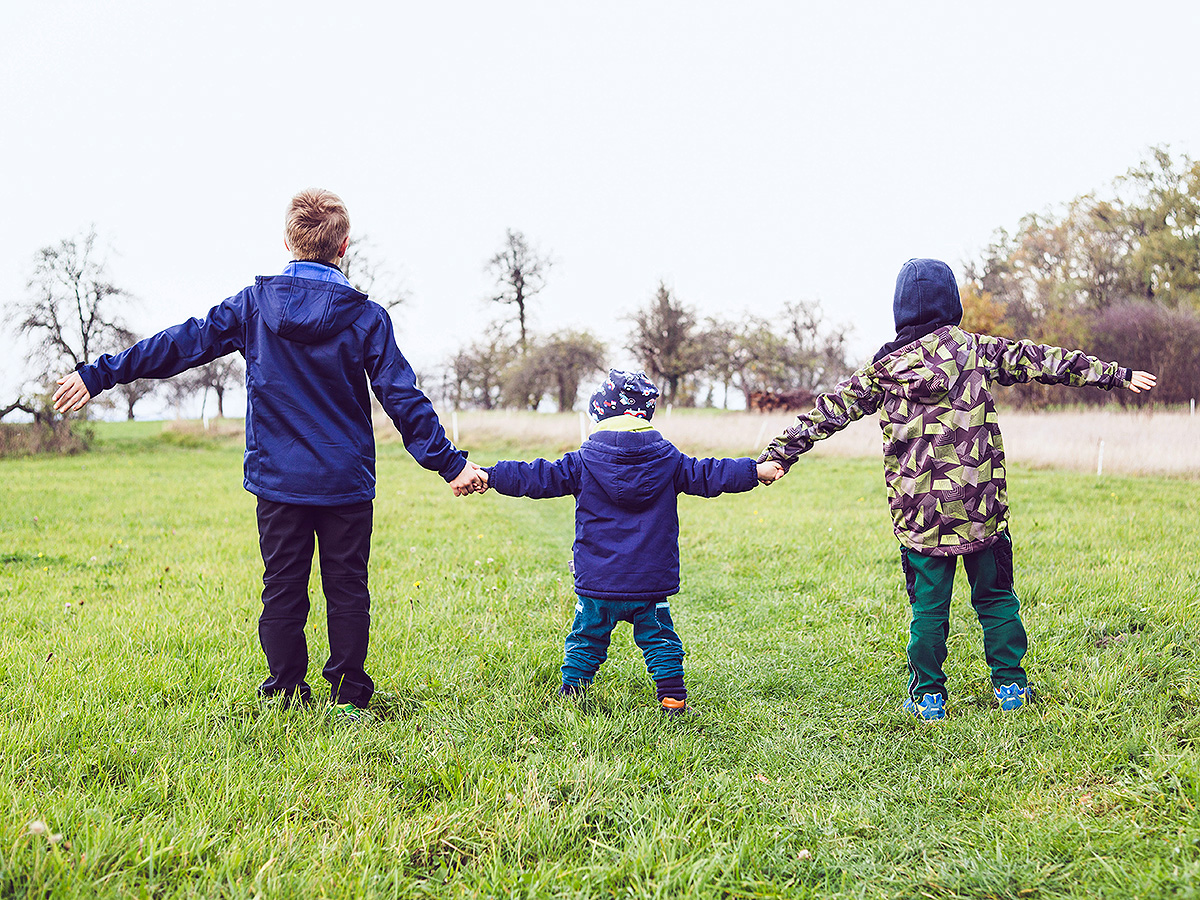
(926, 299)
(630, 467)
(926, 295)
(307, 311)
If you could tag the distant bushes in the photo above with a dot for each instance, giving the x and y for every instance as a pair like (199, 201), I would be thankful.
(28, 439)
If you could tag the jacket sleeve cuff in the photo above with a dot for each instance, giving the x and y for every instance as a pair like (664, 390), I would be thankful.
(452, 468)
(88, 374)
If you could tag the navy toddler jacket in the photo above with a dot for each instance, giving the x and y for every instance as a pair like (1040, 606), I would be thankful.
(626, 519)
(311, 345)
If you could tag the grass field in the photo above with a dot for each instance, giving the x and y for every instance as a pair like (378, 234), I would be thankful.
(129, 583)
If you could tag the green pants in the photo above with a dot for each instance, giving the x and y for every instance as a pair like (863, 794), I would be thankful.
(930, 580)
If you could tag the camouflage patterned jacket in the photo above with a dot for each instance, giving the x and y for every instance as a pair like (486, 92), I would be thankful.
(943, 456)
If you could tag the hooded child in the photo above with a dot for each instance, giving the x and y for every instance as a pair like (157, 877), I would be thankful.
(944, 468)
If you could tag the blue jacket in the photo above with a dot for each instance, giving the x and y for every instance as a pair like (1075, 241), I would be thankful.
(626, 517)
(312, 344)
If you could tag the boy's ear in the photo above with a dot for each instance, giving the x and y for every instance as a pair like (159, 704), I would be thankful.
(285, 246)
(342, 249)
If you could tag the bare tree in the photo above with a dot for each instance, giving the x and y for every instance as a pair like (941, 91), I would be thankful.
(520, 273)
(363, 266)
(72, 309)
(667, 341)
(135, 391)
(218, 376)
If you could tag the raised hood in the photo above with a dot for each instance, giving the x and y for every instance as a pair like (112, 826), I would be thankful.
(631, 468)
(307, 311)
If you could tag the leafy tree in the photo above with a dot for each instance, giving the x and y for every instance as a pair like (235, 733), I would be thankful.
(520, 273)
(474, 376)
(563, 360)
(666, 339)
(1163, 217)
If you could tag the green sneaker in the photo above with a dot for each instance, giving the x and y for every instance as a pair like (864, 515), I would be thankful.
(346, 714)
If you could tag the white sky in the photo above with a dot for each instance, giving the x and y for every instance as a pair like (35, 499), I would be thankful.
(747, 153)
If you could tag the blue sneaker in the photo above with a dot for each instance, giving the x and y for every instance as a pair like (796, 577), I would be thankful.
(1013, 697)
(931, 708)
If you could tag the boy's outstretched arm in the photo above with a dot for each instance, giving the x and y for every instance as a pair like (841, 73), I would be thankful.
(171, 351)
(1018, 362)
(857, 396)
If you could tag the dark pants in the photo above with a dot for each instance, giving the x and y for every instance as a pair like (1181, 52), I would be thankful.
(929, 580)
(343, 535)
(653, 631)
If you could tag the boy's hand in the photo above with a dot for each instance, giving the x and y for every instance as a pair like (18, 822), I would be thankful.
(770, 472)
(1141, 381)
(72, 394)
(470, 480)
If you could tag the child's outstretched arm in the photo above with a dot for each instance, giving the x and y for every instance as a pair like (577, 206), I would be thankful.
(857, 396)
(538, 479)
(1018, 362)
(171, 351)
(711, 477)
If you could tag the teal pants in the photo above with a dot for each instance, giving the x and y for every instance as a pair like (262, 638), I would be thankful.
(930, 580)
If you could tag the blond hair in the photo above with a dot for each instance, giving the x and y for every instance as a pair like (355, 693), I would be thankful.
(316, 225)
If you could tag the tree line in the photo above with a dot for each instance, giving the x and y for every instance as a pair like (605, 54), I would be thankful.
(694, 361)
(1115, 271)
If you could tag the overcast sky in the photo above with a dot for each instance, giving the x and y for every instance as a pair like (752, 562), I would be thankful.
(747, 154)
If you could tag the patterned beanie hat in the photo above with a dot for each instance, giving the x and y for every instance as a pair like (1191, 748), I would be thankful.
(623, 393)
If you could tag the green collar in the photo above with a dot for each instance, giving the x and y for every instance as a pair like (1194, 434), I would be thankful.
(623, 422)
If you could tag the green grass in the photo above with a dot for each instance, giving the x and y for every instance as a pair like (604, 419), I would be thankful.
(129, 582)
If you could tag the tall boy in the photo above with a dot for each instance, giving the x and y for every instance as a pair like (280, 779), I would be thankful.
(944, 467)
(626, 479)
(312, 345)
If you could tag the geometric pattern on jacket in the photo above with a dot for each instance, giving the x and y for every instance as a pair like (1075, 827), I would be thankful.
(943, 456)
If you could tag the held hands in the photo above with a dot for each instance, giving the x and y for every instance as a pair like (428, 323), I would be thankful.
(71, 395)
(470, 480)
(1141, 381)
(769, 472)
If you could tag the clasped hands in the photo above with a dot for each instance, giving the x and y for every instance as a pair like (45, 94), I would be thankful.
(471, 480)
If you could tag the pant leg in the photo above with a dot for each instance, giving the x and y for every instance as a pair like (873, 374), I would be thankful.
(344, 548)
(285, 537)
(929, 581)
(654, 633)
(990, 572)
(586, 646)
